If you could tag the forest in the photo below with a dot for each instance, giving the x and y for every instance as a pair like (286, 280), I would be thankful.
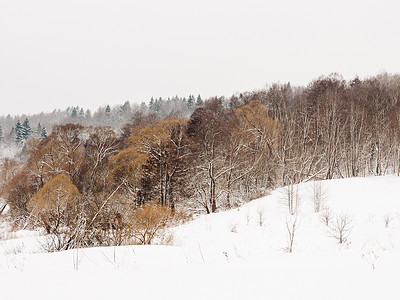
(121, 174)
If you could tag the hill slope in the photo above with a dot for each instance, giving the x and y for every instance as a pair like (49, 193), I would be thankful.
(238, 254)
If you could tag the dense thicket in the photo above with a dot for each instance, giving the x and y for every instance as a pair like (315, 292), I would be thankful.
(228, 151)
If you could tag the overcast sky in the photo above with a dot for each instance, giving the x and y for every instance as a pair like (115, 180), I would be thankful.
(55, 54)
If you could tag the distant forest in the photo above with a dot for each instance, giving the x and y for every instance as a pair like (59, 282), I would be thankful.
(86, 176)
(17, 130)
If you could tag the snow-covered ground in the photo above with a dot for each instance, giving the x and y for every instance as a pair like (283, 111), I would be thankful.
(238, 254)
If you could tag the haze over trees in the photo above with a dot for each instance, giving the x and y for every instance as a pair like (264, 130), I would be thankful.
(202, 156)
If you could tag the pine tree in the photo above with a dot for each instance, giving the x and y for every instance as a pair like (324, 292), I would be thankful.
(155, 105)
(190, 101)
(143, 106)
(1, 134)
(43, 134)
(18, 133)
(88, 114)
(158, 104)
(126, 107)
(199, 101)
(26, 130)
(11, 135)
(151, 104)
(74, 113)
(108, 111)
(81, 112)
(38, 130)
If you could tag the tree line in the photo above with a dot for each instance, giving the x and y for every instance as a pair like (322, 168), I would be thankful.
(15, 131)
(90, 184)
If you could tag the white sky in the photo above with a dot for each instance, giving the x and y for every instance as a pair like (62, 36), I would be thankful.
(55, 53)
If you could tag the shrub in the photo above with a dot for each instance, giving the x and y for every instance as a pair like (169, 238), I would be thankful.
(150, 218)
(340, 228)
(57, 208)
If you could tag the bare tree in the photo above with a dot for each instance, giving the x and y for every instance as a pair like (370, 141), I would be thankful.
(292, 225)
(341, 227)
(326, 216)
(248, 217)
(387, 218)
(318, 196)
(292, 198)
(371, 256)
(370, 252)
(260, 216)
(207, 130)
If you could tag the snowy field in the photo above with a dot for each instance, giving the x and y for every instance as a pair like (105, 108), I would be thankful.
(238, 254)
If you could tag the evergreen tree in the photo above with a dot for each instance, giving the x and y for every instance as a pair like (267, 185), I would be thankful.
(190, 101)
(74, 113)
(151, 104)
(126, 107)
(108, 111)
(199, 101)
(11, 135)
(43, 134)
(143, 106)
(158, 105)
(26, 130)
(38, 130)
(88, 114)
(1, 134)
(18, 133)
(81, 112)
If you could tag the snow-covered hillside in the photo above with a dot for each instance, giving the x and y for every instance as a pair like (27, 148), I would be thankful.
(238, 254)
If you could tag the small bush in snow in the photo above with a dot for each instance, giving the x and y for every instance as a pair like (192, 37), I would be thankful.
(318, 196)
(371, 256)
(233, 227)
(292, 225)
(150, 219)
(292, 198)
(340, 228)
(248, 217)
(387, 218)
(326, 216)
(261, 216)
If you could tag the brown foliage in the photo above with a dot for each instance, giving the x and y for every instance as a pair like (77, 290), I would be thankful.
(150, 218)
(126, 168)
(61, 152)
(18, 191)
(255, 123)
(56, 205)
(164, 146)
(8, 169)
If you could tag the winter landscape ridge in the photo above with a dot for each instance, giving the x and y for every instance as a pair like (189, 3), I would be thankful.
(199, 150)
(242, 253)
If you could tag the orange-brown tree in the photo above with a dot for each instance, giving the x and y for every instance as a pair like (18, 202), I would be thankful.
(164, 144)
(58, 207)
(17, 191)
(260, 136)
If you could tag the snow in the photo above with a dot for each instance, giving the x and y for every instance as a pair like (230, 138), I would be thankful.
(228, 255)
(9, 151)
